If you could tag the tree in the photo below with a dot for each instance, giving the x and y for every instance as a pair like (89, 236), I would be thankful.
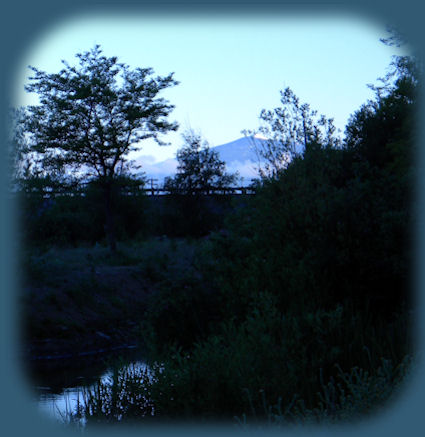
(199, 169)
(383, 131)
(91, 116)
(290, 130)
(380, 146)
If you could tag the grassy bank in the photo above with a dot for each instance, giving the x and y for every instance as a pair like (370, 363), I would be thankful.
(77, 299)
(214, 358)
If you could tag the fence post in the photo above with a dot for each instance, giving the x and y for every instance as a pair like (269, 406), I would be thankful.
(152, 186)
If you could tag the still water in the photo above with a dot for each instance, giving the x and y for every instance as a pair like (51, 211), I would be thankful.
(59, 385)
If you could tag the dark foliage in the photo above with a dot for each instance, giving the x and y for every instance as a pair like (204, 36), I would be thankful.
(90, 117)
(314, 272)
(305, 283)
(200, 168)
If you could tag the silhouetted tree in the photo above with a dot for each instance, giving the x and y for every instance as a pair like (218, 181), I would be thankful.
(199, 169)
(383, 131)
(91, 116)
(290, 130)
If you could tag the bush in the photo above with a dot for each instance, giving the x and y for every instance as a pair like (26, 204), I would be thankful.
(356, 396)
(241, 368)
(267, 356)
(180, 313)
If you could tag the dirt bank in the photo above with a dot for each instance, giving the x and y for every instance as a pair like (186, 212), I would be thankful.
(84, 310)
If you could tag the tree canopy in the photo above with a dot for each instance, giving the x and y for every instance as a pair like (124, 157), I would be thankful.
(91, 116)
(290, 130)
(199, 168)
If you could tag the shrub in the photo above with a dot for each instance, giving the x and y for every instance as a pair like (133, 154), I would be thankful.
(180, 312)
(267, 356)
(356, 396)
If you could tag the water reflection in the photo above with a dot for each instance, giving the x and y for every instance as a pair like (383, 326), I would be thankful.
(61, 386)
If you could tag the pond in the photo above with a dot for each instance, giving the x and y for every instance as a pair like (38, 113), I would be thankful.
(59, 384)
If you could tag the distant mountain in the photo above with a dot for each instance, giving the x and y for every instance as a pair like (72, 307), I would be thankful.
(240, 150)
(239, 155)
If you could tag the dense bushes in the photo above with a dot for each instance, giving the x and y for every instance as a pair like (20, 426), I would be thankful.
(63, 220)
(69, 220)
(304, 285)
(312, 281)
(282, 368)
(180, 312)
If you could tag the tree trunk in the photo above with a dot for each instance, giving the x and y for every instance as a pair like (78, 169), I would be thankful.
(109, 219)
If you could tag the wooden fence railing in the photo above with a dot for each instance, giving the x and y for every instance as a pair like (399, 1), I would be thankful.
(158, 191)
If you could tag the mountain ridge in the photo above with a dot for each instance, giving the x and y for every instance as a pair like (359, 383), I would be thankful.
(239, 155)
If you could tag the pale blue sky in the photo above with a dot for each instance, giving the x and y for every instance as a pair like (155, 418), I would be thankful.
(228, 68)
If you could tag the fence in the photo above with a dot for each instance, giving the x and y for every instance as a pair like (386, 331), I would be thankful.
(153, 190)
(202, 191)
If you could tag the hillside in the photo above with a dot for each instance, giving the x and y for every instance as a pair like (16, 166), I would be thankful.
(239, 155)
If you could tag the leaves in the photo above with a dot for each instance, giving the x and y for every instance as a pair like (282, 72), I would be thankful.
(291, 129)
(92, 115)
(199, 169)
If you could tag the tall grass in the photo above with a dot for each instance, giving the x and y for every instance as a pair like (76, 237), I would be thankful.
(274, 368)
(123, 397)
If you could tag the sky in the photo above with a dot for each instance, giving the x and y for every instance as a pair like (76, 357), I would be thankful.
(229, 68)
